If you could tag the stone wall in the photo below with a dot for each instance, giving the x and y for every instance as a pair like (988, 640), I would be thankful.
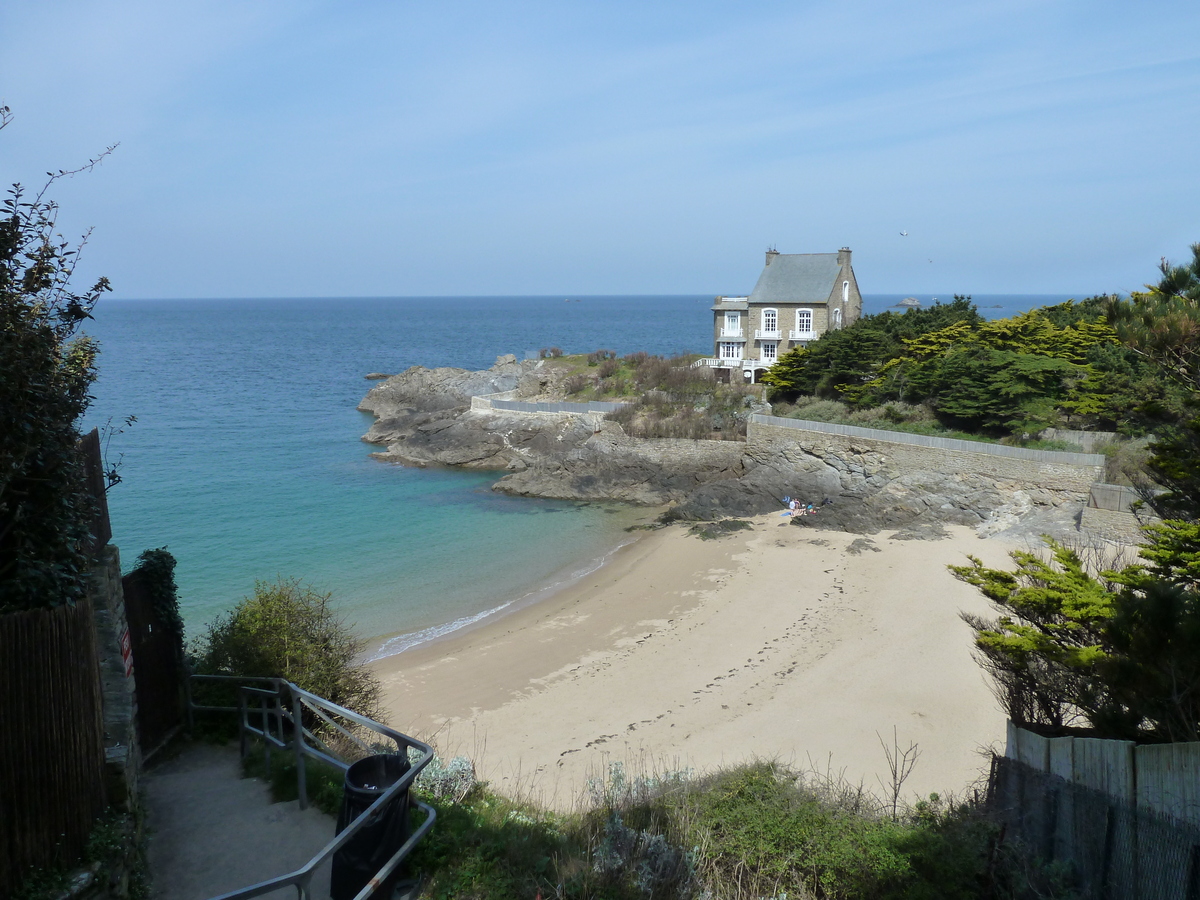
(1073, 473)
(1111, 525)
(121, 752)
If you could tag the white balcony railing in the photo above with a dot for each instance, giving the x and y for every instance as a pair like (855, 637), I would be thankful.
(761, 335)
(731, 332)
(802, 335)
(746, 363)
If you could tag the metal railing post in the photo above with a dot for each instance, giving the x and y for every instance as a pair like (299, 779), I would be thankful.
(298, 744)
(266, 727)
(339, 720)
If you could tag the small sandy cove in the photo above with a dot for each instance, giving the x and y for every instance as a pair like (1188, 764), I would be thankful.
(774, 642)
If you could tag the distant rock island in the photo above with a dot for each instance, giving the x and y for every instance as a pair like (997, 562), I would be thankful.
(443, 417)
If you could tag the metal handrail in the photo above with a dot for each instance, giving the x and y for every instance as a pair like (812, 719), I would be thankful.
(279, 713)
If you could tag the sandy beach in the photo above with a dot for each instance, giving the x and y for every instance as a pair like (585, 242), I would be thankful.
(780, 642)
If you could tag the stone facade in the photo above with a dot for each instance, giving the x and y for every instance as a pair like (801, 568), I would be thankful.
(806, 293)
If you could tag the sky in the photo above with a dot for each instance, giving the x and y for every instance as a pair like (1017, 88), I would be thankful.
(317, 149)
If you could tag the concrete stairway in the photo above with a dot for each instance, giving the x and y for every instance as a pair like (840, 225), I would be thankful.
(210, 831)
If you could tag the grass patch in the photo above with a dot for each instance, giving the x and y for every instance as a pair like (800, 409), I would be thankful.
(907, 418)
(322, 781)
(114, 853)
(755, 831)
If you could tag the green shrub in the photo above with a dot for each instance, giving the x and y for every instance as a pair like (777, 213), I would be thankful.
(46, 371)
(289, 630)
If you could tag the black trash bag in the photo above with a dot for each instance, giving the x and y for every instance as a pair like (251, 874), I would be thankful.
(378, 840)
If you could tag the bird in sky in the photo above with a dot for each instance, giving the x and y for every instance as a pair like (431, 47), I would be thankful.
(904, 234)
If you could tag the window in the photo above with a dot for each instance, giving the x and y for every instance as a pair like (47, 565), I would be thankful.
(837, 317)
(804, 320)
(845, 291)
(770, 351)
(733, 323)
(731, 350)
(770, 320)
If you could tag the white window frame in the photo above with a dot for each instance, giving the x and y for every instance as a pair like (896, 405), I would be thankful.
(733, 324)
(774, 314)
(845, 291)
(769, 351)
(811, 319)
(730, 350)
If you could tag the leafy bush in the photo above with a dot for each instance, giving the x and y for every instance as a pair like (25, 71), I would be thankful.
(754, 831)
(289, 630)
(1055, 365)
(1115, 651)
(156, 570)
(46, 371)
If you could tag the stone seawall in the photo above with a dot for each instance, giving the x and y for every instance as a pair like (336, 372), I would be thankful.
(1072, 473)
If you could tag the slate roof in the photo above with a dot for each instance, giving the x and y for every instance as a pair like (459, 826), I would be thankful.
(797, 278)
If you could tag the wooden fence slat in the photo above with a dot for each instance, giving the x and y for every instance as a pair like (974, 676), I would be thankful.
(52, 758)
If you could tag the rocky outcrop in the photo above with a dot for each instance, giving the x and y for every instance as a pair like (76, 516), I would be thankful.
(424, 417)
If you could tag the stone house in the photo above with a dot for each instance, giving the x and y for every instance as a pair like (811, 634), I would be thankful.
(798, 297)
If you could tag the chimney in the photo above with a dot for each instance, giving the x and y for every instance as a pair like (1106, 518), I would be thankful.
(844, 256)
(771, 254)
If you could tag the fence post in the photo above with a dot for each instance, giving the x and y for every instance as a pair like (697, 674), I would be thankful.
(298, 744)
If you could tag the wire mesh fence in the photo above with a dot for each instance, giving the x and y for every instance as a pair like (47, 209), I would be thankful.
(1113, 849)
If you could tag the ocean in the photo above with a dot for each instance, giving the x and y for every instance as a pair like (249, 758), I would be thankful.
(246, 460)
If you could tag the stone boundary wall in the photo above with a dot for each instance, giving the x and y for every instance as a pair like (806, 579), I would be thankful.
(925, 440)
(1116, 497)
(1070, 472)
(504, 402)
(1087, 441)
(122, 755)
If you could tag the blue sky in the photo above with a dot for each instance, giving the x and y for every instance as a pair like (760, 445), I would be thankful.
(371, 148)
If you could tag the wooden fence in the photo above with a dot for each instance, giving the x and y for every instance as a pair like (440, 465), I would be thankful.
(1160, 778)
(52, 752)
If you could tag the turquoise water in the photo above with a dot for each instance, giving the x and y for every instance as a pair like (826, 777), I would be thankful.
(246, 460)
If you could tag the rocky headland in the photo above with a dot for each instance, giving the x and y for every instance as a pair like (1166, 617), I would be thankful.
(427, 417)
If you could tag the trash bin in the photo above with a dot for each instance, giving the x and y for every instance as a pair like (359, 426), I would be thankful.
(375, 842)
